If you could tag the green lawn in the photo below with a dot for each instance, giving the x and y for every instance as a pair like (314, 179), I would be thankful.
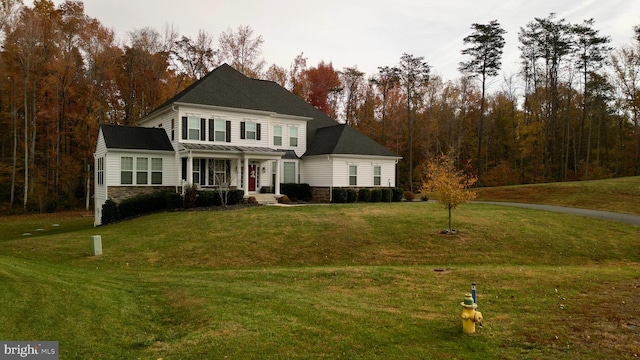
(620, 194)
(338, 281)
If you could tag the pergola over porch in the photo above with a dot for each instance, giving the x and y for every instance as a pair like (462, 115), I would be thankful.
(246, 160)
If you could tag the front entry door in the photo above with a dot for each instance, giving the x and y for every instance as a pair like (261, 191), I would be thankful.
(252, 177)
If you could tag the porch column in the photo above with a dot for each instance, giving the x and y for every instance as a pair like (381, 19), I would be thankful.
(277, 184)
(190, 169)
(238, 172)
(245, 177)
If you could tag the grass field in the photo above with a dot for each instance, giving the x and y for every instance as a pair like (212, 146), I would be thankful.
(372, 281)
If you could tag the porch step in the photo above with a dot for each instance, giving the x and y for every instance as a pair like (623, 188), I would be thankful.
(265, 199)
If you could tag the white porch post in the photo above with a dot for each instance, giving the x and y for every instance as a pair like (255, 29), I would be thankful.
(245, 177)
(277, 184)
(190, 169)
(238, 172)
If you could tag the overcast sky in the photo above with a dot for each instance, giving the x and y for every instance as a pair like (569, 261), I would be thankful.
(364, 33)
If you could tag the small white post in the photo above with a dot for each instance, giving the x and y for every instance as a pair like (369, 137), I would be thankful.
(96, 244)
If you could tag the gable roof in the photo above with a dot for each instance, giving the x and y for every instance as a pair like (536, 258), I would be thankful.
(226, 87)
(135, 138)
(345, 140)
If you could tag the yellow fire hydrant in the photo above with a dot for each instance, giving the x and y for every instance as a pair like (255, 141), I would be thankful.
(469, 315)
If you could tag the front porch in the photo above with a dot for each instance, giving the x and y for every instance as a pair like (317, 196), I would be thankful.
(249, 169)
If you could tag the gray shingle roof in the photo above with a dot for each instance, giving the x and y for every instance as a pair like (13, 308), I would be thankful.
(226, 87)
(345, 140)
(135, 138)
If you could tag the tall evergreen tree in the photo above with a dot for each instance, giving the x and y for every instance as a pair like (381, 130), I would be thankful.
(485, 49)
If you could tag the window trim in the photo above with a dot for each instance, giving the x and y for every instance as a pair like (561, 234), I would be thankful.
(378, 176)
(277, 136)
(353, 177)
(100, 171)
(191, 121)
(142, 175)
(293, 140)
(155, 171)
(126, 170)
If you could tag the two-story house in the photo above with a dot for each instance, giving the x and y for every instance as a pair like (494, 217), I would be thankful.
(232, 131)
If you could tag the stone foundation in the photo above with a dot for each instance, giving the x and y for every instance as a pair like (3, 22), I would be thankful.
(321, 194)
(119, 193)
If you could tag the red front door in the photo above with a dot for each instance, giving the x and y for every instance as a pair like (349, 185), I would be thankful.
(252, 177)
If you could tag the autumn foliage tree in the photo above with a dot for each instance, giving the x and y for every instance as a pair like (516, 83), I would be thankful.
(449, 184)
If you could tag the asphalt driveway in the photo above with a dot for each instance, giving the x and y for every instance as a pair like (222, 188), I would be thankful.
(605, 215)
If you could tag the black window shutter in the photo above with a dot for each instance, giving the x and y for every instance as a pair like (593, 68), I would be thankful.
(242, 130)
(212, 130)
(185, 129)
(258, 131)
(184, 169)
(203, 126)
(228, 131)
(203, 164)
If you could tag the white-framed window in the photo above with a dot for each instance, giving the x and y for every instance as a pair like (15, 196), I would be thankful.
(196, 171)
(250, 130)
(173, 129)
(142, 171)
(289, 172)
(217, 172)
(220, 126)
(126, 170)
(353, 175)
(293, 136)
(377, 175)
(277, 135)
(194, 128)
(156, 171)
(100, 171)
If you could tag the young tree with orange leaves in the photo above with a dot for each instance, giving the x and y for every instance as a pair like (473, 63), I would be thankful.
(449, 184)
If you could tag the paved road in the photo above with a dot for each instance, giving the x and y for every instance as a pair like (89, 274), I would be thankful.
(606, 215)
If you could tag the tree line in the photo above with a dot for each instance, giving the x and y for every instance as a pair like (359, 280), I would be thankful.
(572, 113)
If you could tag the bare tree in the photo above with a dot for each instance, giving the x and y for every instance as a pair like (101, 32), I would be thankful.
(242, 50)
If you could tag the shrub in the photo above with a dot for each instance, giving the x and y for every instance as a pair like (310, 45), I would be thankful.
(190, 196)
(409, 196)
(296, 192)
(364, 195)
(386, 194)
(352, 195)
(207, 198)
(339, 195)
(110, 212)
(252, 200)
(424, 197)
(174, 200)
(376, 195)
(284, 199)
(397, 194)
(235, 197)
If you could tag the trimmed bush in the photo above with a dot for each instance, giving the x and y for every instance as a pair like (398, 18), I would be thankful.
(409, 196)
(235, 197)
(284, 199)
(376, 195)
(339, 195)
(208, 198)
(110, 212)
(352, 195)
(364, 195)
(386, 194)
(296, 192)
(397, 194)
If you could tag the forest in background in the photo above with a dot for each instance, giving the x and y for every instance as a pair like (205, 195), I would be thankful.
(572, 112)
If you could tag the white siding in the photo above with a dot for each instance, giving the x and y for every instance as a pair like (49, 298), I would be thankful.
(169, 167)
(334, 171)
(316, 171)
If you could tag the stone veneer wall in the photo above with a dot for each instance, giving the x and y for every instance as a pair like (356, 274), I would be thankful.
(119, 193)
(321, 194)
